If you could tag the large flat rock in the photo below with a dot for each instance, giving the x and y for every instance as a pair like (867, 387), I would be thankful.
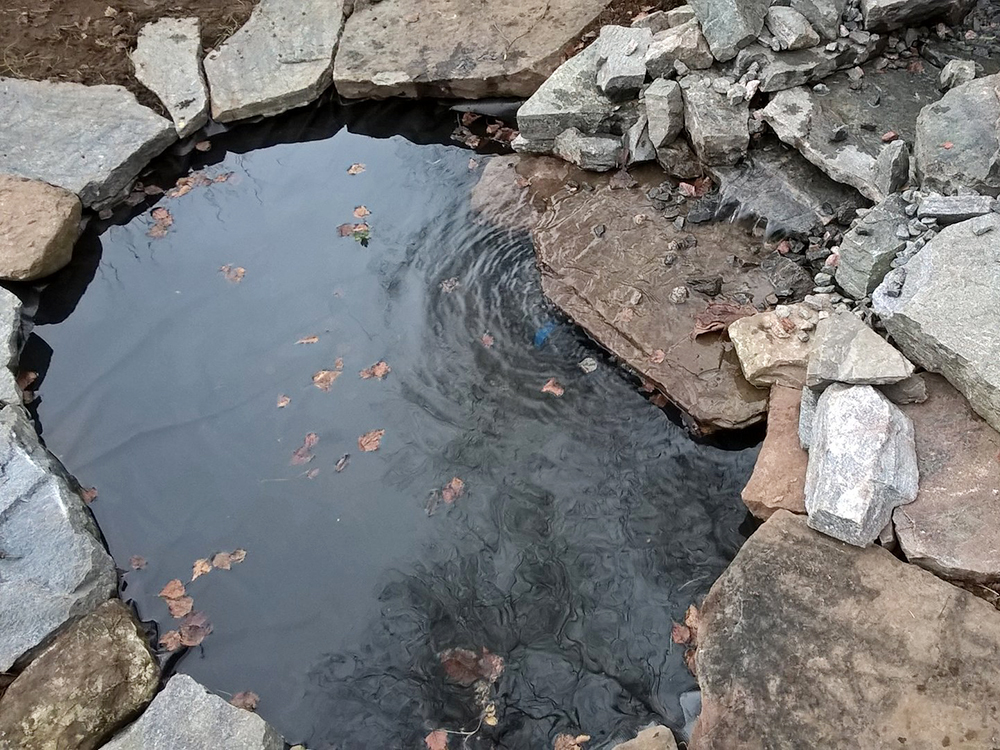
(90, 140)
(806, 642)
(280, 59)
(953, 527)
(455, 48)
(946, 317)
(53, 567)
(39, 224)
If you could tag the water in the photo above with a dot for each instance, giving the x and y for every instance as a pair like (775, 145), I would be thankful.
(588, 522)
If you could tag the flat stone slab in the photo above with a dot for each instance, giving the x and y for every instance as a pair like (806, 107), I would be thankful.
(953, 527)
(167, 60)
(618, 288)
(96, 676)
(10, 346)
(53, 567)
(39, 224)
(779, 476)
(451, 49)
(90, 140)
(280, 59)
(951, 209)
(774, 347)
(945, 316)
(185, 716)
(848, 351)
(787, 69)
(807, 642)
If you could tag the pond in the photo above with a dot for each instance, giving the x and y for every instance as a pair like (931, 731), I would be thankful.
(583, 525)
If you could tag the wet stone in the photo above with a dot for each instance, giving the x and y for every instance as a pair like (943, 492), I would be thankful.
(848, 351)
(651, 738)
(39, 224)
(621, 52)
(779, 476)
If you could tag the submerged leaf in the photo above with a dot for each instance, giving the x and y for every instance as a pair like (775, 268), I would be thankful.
(437, 740)
(137, 562)
(283, 401)
(467, 667)
(303, 454)
(324, 379)
(173, 590)
(378, 370)
(222, 560)
(554, 387)
(371, 440)
(453, 490)
(194, 627)
(237, 556)
(361, 212)
(569, 742)
(88, 494)
(180, 606)
(356, 169)
(246, 700)
(171, 640)
(232, 273)
(487, 340)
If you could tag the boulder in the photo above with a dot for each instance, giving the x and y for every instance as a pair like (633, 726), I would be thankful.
(10, 346)
(621, 54)
(769, 347)
(787, 69)
(730, 25)
(892, 168)
(956, 72)
(912, 390)
(54, 567)
(167, 60)
(96, 676)
(665, 111)
(779, 476)
(597, 153)
(848, 351)
(790, 28)
(869, 247)
(953, 527)
(894, 14)
(862, 463)
(679, 161)
(657, 737)
(450, 49)
(806, 642)
(958, 140)
(946, 316)
(185, 716)
(824, 15)
(719, 131)
(39, 224)
(951, 209)
(681, 44)
(90, 140)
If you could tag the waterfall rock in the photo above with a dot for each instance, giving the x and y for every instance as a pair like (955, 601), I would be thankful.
(719, 131)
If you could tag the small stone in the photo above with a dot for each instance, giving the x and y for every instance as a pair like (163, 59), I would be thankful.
(651, 738)
(665, 111)
(39, 225)
(981, 225)
(621, 55)
(838, 133)
(598, 153)
(683, 44)
(956, 72)
(678, 294)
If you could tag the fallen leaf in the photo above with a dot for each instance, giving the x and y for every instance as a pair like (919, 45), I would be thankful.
(361, 212)
(237, 556)
(203, 145)
(680, 634)
(784, 247)
(173, 590)
(692, 619)
(25, 378)
(342, 462)
(657, 356)
(587, 364)
(915, 67)
(200, 567)
(466, 667)
(181, 606)
(171, 640)
(487, 340)
(283, 401)
(303, 454)
(569, 742)
(157, 231)
(378, 370)
(453, 490)
(371, 440)
(193, 629)
(345, 230)
(356, 169)
(162, 216)
(469, 118)
(552, 386)
(88, 494)
(137, 562)
(947, 145)
(232, 273)
(718, 315)
(697, 188)
(437, 740)
(224, 177)
(324, 379)
(308, 340)
(222, 561)
(246, 700)
(450, 285)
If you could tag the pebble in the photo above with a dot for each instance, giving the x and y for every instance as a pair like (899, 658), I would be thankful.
(839, 133)
(902, 232)
(823, 279)
(826, 289)
(599, 230)
(678, 294)
(981, 225)
(669, 259)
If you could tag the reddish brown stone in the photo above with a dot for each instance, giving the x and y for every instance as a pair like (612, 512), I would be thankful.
(779, 476)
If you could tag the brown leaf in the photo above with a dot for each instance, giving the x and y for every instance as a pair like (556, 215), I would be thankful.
(378, 370)
(200, 567)
(453, 490)
(232, 273)
(371, 440)
(437, 740)
(171, 640)
(137, 562)
(308, 340)
(324, 379)
(345, 230)
(246, 700)
(303, 454)
(947, 145)
(569, 742)
(657, 356)
(718, 315)
(283, 401)
(25, 378)
(194, 627)
(222, 560)
(697, 188)
(554, 387)
(173, 590)
(88, 494)
(680, 634)
(487, 340)
(237, 556)
(466, 667)
(342, 462)
(361, 212)
(181, 606)
(203, 145)
(469, 118)
(157, 231)
(356, 169)
(162, 216)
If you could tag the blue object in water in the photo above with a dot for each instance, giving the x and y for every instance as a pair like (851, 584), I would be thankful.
(542, 334)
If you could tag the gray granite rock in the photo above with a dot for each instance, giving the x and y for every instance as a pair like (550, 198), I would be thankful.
(956, 72)
(966, 120)
(785, 70)
(678, 160)
(719, 131)
(892, 167)
(167, 60)
(680, 44)
(868, 249)
(53, 567)
(638, 147)
(90, 140)
(950, 209)
(848, 351)
(912, 390)
(185, 716)
(660, 20)
(621, 54)
(824, 15)
(10, 346)
(665, 110)
(790, 28)
(730, 25)
(39, 224)
(893, 14)
(596, 153)
(862, 464)
(280, 59)
(807, 416)
(946, 315)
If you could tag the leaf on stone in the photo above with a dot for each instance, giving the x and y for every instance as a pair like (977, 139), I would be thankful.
(222, 561)
(487, 340)
(193, 629)
(283, 401)
(200, 567)
(303, 454)
(157, 231)
(180, 606)
(453, 490)
(450, 285)
(233, 274)
(308, 340)
(467, 667)
(246, 700)
(361, 212)
(137, 562)
(356, 169)
(569, 742)
(173, 590)
(718, 315)
(324, 379)
(680, 634)
(88, 494)
(25, 378)
(370, 441)
(203, 146)
(554, 387)
(437, 740)
(889, 136)
(657, 356)
(342, 462)
(237, 556)
(378, 370)
(171, 640)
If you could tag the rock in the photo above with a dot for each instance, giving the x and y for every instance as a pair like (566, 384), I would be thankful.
(719, 131)
(730, 25)
(96, 676)
(90, 140)
(779, 476)
(10, 346)
(665, 110)
(823, 15)
(894, 14)
(862, 463)
(661, 20)
(598, 153)
(847, 650)
(501, 196)
(807, 416)
(678, 160)
(690, 708)
(912, 390)
(185, 716)
(791, 28)
(953, 527)
(785, 70)
(167, 60)
(867, 250)
(54, 565)
(656, 737)
(769, 353)
(946, 317)
(439, 48)
(966, 117)
(956, 72)
(950, 209)
(638, 147)
(685, 44)
(848, 351)
(788, 277)
(892, 168)
(39, 225)
(621, 54)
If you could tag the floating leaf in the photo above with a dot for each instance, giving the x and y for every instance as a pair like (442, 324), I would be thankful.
(194, 627)
(342, 462)
(312, 473)
(466, 667)
(200, 568)
(680, 634)
(361, 212)
(554, 387)
(324, 379)
(137, 562)
(378, 370)
(371, 440)
(222, 560)
(232, 273)
(303, 454)
(180, 606)
(308, 340)
(173, 590)
(162, 216)
(283, 401)
(171, 640)
(88, 494)
(246, 700)
(356, 169)
(237, 556)
(437, 740)
(453, 490)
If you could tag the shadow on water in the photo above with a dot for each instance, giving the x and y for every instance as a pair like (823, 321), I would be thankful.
(588, 523)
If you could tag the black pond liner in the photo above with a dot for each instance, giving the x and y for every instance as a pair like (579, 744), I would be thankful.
(589, 522)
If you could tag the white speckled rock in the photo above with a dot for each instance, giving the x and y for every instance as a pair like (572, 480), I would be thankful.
(10, 346)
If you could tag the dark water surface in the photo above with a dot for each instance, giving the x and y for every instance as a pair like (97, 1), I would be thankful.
(588, 522)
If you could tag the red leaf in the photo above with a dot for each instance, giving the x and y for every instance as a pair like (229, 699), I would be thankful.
(437, 740)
